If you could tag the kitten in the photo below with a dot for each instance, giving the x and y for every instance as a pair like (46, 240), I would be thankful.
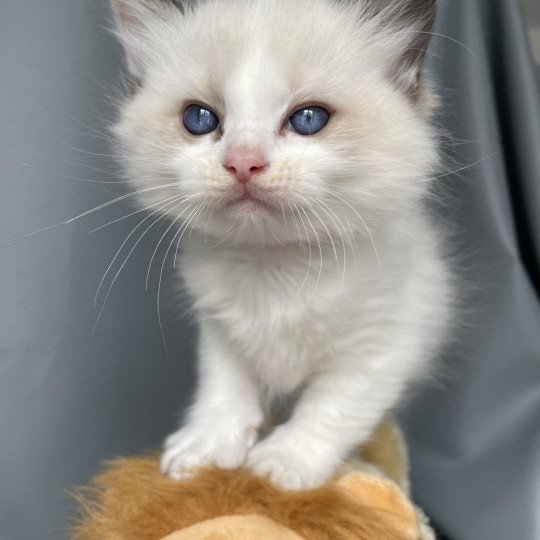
(293, 138)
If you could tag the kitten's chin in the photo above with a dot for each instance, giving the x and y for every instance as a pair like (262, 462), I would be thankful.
(247, 222)
(248, 206)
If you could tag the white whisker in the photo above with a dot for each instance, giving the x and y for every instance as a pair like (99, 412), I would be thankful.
(340, 225)
(207, 223)
(189, 220)
(342, 244)
(120, 270)
(145, 209)
(329, 191)
(310, 255)
(180, 232)
(74, 178)
(129, 236)
(326, 230)
(320, 262)
(160, 241)
(87, 213)
(293, 217)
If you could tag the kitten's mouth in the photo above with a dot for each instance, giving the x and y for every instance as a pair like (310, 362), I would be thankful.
(248, 202)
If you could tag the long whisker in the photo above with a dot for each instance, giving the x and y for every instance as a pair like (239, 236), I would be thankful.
(310, 255)
(94, 168)
(272, 232)
(361, 219)
(145, 209)
(122, 267)
(455, 171)
(430, 53)
(326, 230)
(176, 198)
(158, 301)
(284, 215)
(88, 212)
(203, 210)
(160, 241)
(208, 223)
(453, 40)
(320, 263)
(189, 220)
(180, 232)
(293, 217)
(75, 178)
(107, 136)
(340, 225)
(338, 228)
(86, 152)
(224, 239)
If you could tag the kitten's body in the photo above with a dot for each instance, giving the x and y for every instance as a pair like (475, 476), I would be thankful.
(329, 278)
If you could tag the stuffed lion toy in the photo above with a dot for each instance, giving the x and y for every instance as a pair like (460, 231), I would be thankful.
(368, 500)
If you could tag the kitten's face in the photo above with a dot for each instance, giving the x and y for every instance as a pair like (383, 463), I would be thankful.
(244, 67)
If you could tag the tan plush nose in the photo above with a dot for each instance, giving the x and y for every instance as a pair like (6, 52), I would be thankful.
(245, 163)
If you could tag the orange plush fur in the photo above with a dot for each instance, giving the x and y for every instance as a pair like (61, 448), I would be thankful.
(132, 500)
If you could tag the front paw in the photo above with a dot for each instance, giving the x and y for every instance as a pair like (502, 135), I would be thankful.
(203, 445)
(290, 462)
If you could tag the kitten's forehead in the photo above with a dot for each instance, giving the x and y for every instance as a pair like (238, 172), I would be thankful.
(257, 85)
(257, 53)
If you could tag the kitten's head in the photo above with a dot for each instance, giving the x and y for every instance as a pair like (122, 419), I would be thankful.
(277, 120)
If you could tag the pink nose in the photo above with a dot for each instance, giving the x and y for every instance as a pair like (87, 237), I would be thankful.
(245, 163)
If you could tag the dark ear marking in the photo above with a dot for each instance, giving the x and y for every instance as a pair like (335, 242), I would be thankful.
(413, 17)
(133, 85)
(182, 5)
(123, 8)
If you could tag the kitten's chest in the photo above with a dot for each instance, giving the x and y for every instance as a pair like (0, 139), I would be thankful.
(268, 308)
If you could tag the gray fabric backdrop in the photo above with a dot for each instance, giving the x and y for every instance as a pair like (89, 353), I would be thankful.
(70, 397)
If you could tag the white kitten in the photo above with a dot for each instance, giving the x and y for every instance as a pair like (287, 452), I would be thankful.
(292, 136)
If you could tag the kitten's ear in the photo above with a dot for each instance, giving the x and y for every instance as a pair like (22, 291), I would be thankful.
(134, 19)
(408, 25)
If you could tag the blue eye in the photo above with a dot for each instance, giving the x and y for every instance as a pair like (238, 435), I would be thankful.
(199, 120)
(309, 120)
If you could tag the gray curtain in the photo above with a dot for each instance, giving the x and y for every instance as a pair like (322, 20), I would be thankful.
(72, 396)
(475, 439)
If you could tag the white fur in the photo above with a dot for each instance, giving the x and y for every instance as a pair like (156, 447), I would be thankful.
(341, 291)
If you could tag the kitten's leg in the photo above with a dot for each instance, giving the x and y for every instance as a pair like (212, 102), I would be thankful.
(337, 412)
(223, 422)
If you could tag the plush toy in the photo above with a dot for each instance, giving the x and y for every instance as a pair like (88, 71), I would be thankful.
(368, 500)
